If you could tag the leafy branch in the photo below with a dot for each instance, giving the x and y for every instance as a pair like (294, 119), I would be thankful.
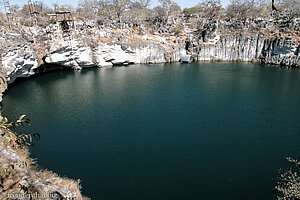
(15, 138)
(289, 181)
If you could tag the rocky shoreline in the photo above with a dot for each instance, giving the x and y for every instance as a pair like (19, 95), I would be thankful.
(91, 45)
(27, 51)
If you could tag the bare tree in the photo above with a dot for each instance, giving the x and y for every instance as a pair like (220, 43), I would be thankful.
(166, 10)
(189, 12)
(292, 7)
(212, 8)
(88, 6)
(14, 9)
(140, 3)
(137, 12)
(241, 8)
(55, 6)
(120, 6)
(273, 7)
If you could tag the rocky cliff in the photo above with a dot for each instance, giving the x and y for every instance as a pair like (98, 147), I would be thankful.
(24, 49)
(273, 41)
(19, 177)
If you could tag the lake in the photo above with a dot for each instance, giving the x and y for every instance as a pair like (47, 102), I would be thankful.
(165, 131)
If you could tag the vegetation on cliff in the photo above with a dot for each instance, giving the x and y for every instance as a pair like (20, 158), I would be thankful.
(289, 181)
(162, 18)
(201, 22)
(244, 30)
(19, 175)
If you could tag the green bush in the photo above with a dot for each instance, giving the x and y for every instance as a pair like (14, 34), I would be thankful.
(178, 29)
(190, 11)
(52, 20)
(212, 59)
(238, 60)
(253, 60)
(16, 138)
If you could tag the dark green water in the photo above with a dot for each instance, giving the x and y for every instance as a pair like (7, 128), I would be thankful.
(176, 132)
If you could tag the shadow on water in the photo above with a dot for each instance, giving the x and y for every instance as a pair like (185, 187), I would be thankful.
(167, 131)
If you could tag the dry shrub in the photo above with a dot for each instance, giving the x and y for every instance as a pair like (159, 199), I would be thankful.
(289, 182)
(19, 175)
(90, 42)
(106, 40)
(41, 52)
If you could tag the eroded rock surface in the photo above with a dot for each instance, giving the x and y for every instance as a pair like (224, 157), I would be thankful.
(90, 45)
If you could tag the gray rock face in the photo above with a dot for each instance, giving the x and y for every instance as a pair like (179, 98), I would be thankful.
(93, 45)
(281, 51)
(26, 49)
(20, 62)
(232, 47)
(251, 48)
(18, 58)
(244, 41)
(21, 57)
(21, 172)
(79, 53)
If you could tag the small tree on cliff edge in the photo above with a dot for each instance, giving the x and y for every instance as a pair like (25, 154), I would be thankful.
(213, 8)
(119, 7)
(166, 10)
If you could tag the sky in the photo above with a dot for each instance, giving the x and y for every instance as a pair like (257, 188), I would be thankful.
(181, 3)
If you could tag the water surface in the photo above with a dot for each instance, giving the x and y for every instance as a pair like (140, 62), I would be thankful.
(198, 131)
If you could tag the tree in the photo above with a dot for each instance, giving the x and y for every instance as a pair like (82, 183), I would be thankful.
(55, 6)
(292, 7)
(16, 138)
(165, 10)
(66, 7)
(241, 8)
(273, 7)
(188, 12)
(14, 9)
(119, 7)
(140, 3)
(105, 9)
(137, 12)
(212, 8)
(88, 6)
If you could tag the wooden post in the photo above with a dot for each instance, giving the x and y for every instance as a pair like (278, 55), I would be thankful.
(33, 11)
(8, 12)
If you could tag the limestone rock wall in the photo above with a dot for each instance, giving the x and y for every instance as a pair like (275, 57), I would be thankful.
(281, 51)
(106, 47)
(232, 47)
(278, 51)
(25, 49)
(18, 55)
(249, 41)
(19, 176)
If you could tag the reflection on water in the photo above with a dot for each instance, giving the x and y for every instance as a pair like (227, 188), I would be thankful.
(168, 131)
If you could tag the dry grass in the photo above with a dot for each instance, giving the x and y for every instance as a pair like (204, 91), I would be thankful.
(19, 175)
(92, 43)
(106, 40)
(135, 40)
(289, 182)
(3, 84)
(41, 52)
(287, 34)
